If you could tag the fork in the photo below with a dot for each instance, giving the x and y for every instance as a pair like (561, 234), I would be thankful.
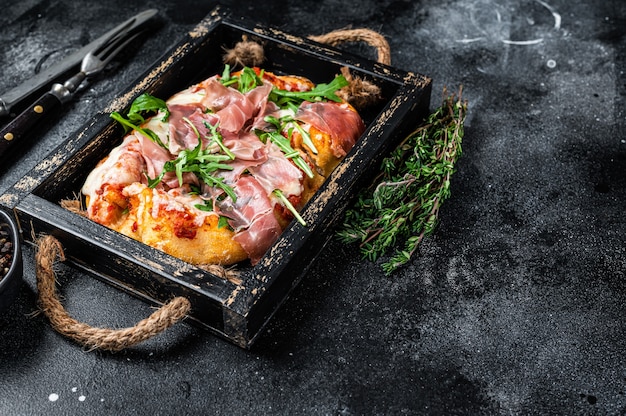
(50, 102)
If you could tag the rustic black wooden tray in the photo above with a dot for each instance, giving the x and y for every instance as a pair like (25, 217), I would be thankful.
(238, 312)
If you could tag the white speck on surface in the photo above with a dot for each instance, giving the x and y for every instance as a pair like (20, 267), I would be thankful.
(555, 15)
(522, 42)
(81, 398)
(53, 397)
(466, 40)
(551, 63)
(74, 389)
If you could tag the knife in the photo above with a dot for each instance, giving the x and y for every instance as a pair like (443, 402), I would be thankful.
(30, 88)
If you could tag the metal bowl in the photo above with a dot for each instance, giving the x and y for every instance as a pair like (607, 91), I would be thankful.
(11, 263)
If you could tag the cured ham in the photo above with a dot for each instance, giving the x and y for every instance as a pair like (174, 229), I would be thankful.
(339, 121)
(215, 173)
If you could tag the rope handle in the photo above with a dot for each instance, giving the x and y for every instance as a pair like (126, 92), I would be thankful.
(368, 36)
(48, 249)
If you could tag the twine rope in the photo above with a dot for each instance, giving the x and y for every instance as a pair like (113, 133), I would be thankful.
(48, 249)
(368, 36)
(358, 92)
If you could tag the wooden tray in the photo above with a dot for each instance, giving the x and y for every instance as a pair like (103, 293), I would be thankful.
(237, 312)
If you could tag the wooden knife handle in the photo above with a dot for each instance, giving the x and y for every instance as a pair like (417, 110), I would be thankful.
(19, 128)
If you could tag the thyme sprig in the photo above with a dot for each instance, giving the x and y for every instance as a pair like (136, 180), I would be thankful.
(401, 206)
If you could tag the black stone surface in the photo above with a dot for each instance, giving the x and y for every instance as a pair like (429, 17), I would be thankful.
(515, 306)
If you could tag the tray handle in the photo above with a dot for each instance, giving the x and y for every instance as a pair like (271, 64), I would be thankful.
(48, 249)
(365, 35)
(359, 92)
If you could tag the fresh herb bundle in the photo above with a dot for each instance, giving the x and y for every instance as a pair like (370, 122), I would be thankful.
(402, 204)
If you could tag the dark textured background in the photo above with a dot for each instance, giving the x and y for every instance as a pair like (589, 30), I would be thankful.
(515, 306)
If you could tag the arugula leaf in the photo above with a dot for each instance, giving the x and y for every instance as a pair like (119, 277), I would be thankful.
(246, 81)
(146, 103)
(225, 74)
(223, 222)
(289, 206)
(202, 162)
(208, 207)
(288, 120)
(283, 144)
(217, 138)
(128, 126)
(319, 93)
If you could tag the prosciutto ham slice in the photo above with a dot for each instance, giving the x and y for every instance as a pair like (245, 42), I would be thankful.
(340, 121)
(186, 122)
(232, 108)
(252, 217)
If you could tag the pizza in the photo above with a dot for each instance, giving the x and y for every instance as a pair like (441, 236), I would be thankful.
(216, 172)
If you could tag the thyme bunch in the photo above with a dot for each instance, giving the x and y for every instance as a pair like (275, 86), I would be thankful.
(401, 206)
